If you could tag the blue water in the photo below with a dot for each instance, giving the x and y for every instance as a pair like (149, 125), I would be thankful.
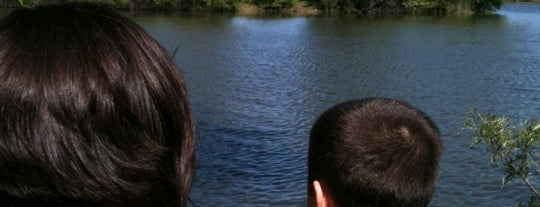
(257, 84)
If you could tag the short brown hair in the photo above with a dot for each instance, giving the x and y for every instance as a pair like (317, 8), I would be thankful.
(93, 112)
(375, 152)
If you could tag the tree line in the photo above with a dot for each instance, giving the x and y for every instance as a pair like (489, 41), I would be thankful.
(408, 6)
(325, 6)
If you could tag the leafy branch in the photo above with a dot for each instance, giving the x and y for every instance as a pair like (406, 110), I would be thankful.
(510, 147)
(22, 3)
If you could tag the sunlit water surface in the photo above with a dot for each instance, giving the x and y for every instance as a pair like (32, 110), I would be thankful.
(257, 84)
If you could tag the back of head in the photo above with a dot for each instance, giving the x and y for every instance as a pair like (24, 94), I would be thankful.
(93, 112)
(375, 153)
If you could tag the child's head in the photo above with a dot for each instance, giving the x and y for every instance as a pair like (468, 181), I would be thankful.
(93, 112)
(373, 153)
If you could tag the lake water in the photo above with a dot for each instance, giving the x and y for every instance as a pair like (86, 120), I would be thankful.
(257, 84)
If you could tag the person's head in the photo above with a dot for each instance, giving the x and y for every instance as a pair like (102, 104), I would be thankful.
(373, 152)
(93, 112)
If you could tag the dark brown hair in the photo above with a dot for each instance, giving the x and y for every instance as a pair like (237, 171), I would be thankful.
(375, 152)
(93, 112)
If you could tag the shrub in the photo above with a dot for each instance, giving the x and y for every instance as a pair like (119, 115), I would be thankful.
(511, 147)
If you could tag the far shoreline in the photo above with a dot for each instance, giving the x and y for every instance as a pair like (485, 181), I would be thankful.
(300, 8)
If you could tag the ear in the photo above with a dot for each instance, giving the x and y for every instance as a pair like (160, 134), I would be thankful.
(321, 198)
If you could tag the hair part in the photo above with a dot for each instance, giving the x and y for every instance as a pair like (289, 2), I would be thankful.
(375, 152)
(92, 111)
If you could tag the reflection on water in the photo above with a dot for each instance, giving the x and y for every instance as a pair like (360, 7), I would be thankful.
(257, 84)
